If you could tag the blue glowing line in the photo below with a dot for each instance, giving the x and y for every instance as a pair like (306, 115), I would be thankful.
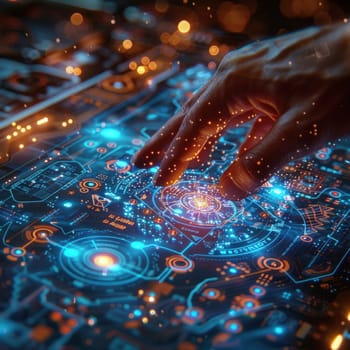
(194, 290)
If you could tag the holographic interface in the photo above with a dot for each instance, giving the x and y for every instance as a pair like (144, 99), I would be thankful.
(93, 255)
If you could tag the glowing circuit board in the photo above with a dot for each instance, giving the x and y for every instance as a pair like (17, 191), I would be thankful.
(94, 256)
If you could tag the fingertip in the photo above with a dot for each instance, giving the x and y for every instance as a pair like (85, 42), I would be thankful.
(169, 172)
(160, 180)
(140, 162)
(237, 183)
(229, 190)
(145, 159)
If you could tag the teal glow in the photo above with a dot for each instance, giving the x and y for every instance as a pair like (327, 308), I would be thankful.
(194, 313)
(68, 204)
(234, 327)
(110, 133)
(137, 313)
(249, 304)
(153, 170)
(279, 330)
(121, 163)
(278, 191)
(137, 245)
(18, 251)
(71, 252)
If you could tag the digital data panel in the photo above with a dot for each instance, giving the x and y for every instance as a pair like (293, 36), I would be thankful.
(94, 256)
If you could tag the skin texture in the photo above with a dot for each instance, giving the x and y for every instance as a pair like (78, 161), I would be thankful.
(294, 88)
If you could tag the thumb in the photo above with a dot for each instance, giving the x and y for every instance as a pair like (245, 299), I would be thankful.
(293, 136)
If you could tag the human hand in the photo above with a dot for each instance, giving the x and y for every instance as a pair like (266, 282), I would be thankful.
(295, 88)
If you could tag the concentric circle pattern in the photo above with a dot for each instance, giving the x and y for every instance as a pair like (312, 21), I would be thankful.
(103, 261)
(196, 203)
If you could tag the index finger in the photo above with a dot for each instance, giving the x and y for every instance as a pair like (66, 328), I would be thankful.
(207, 117)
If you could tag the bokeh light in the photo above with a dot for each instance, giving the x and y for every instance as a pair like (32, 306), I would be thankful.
(233, 17)
(76, 19)
(184, 26)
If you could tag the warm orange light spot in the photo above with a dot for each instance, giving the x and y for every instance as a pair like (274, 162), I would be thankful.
(132, 65)
(214, 50)
(145, 60)
(77, 71)
(21, 146)
(152, 65)
(141, 70)
(76, 19)
(104, 260)
(127, 44)
(69, 70)
(233, 17)
(161, 6)
(164, 37)
(301, 8)
(184, 26)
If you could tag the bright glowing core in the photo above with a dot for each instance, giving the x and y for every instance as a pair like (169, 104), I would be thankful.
(200, 202)
(104, 260)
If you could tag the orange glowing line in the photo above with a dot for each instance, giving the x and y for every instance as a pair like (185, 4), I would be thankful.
(42, 121)
(337, 341)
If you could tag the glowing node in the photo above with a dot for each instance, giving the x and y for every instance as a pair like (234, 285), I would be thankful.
(273, 264)
(17, 251)
(196, 203)
(257, 291)
(278, 192)
(278, 330)
(211, 293)
(71, 252)
(110, 133)
(137, 313)
(193, 315)
(179, 263)
(233, 326)
(232, 270)
(68, 204)
(42, 234)
(104, 260)
(137, 245)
